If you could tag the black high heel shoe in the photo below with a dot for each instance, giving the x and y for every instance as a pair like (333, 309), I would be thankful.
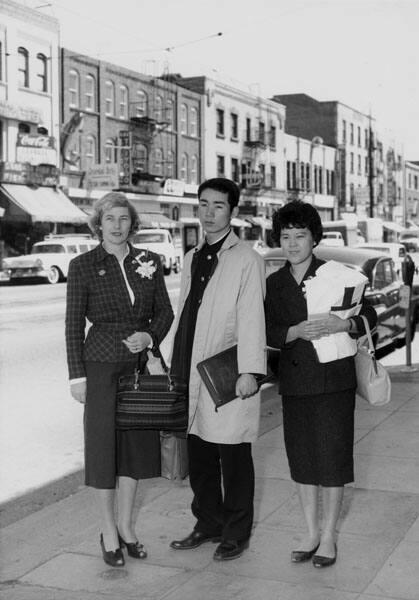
(113, 558)
(134, 549)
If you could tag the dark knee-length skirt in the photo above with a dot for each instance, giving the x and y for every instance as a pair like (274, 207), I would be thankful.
(109, 453)
(319, 437)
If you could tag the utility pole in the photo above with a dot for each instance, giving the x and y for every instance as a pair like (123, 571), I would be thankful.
(371, 149)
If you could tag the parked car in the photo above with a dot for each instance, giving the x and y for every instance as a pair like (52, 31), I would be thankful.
(410, 242)
(49, 259)
(382, 291)
(332, 238)
(395, 250)
(161, 242)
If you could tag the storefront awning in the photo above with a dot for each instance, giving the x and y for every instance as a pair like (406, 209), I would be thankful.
(44, 204)
(396, 227)
(154, 219)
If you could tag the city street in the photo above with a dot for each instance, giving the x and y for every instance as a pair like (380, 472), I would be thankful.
(40, 424)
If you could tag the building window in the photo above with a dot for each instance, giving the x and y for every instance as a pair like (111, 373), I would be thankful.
(110, 151)
(220, 122)
(351, 141)
(109, 98)
(366, 138)
(141, 104)
(90, 95)
(170, 164)
(139, 158)
(248, 130)
(359, 137)
(74, 88)
(184, 119)
(320, 177)
(409, 185)
(262, 173)
(366, 165)
(158, 162)
(261, 132)
(184, 168)
(1, 65)
(288, 175)
(235, 173)
(24, 128)
(352, 193)
(123, 102)
(272, 137)
(41, 73)
(302, 176)
(158, 109)
(220, 166)
(294, 175)
(23, 67)
(234, 126)
(90, 153)
(343, 131)
(169, 115)
(193, 124)
(352, 162)
(194, 170)
(273, 176)
(359, 165)
(308, 184)
(415, 180)
(316, 179)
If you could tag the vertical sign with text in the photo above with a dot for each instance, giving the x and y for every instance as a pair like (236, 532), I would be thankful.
(125, 158)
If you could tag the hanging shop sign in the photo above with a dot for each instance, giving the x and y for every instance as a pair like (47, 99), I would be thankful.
(174, 187)
(125, 171)
(19, 113)
(27, 174)
(36, 149)
(104, 176)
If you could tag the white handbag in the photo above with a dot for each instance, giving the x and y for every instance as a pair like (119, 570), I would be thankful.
(374, 384)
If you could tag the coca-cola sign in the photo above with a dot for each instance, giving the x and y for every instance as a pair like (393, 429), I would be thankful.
(35, 141)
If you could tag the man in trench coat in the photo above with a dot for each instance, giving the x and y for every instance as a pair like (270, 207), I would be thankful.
(221, 304)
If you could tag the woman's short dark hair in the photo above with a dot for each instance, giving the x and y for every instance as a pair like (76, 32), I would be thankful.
(297, 214)
(224, 185)
(108, 201)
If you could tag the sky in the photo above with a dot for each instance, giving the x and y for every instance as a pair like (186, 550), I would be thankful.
(364, 53)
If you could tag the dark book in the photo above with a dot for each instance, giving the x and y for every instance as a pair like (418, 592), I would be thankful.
(220, 373)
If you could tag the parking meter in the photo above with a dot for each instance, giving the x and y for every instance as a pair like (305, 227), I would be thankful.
(408, 270)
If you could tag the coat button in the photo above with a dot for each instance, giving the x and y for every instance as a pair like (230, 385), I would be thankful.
(295, 363)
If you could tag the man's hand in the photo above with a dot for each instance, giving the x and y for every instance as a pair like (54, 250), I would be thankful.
(246, 385)
(78, 391)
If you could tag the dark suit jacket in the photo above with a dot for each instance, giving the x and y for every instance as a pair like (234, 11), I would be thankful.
(300, 372)
(96, 291)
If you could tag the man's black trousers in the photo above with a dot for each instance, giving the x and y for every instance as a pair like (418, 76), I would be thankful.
(222, 479)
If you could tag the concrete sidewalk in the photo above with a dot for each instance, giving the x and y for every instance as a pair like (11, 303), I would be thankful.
(54, 554)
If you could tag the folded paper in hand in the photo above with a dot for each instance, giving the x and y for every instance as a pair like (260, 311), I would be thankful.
(220, 373)
(338, 289)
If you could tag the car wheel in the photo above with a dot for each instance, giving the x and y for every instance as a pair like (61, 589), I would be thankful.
(168, 270)
(54, 275)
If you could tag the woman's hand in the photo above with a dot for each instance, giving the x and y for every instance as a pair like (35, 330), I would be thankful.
(334, 324)
(138, 341)
(309, 330)
(78, 391)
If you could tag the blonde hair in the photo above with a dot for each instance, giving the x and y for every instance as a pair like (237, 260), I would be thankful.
(108, 201)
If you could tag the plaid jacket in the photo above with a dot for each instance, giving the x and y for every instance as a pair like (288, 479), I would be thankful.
(96, 291)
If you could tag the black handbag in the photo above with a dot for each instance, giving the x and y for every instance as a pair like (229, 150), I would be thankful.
(158, 402)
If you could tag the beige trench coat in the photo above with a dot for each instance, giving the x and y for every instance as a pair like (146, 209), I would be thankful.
(231, 312)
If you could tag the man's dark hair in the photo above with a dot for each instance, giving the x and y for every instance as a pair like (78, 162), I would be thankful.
(224, 185)
(297, 214)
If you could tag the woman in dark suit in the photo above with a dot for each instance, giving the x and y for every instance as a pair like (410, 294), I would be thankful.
(121, 292)
(318, 398)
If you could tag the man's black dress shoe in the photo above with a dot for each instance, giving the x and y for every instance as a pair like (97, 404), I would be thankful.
(325, 561)
(134, 549)
(194, 539)
(230, 549)
(113, 558)
(299, 556)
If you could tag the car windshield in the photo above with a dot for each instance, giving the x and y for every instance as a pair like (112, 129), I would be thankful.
(149, 238)
(47, 249)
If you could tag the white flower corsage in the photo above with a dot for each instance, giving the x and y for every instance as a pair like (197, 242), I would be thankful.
(146, 267)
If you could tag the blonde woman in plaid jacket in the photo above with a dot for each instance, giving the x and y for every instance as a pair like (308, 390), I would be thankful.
(121, 291)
